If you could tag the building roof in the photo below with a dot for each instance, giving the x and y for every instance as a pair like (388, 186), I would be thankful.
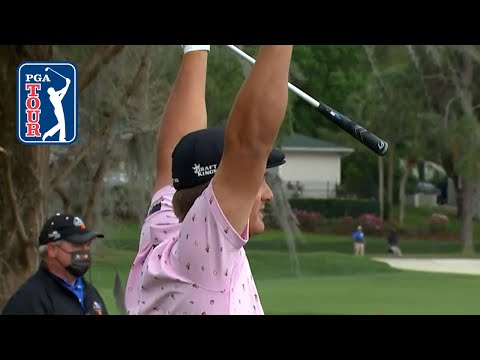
(297, 142)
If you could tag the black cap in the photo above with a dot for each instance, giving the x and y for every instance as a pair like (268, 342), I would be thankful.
(197, 155)
(66, 227)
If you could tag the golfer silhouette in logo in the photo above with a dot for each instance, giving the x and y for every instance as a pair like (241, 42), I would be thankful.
(56, 98)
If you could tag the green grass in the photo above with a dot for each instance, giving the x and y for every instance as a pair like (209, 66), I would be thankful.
(122, 235)
(332, 281)
(270, 265)
(402, 293)
(125, 236)
(275, 240)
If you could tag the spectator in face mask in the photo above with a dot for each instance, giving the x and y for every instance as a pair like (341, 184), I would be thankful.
(58, 286)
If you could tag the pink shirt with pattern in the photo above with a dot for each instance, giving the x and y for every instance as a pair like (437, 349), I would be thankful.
(200, 270)
(160, 226)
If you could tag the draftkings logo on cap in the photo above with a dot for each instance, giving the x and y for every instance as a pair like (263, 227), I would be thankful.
(204, 170)
(47, 103)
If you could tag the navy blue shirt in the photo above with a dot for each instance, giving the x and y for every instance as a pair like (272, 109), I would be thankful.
(44, 294)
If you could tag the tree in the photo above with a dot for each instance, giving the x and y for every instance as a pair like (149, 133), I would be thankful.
(329, 73)
(452, 77)
(24, 170)
(23, 184)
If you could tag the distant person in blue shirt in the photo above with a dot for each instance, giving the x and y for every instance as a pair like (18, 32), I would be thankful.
(358, 242)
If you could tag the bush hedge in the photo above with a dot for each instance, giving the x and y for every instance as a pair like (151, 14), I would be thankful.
(336, 208)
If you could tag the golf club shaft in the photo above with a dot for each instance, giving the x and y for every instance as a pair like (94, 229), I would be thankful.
(367, 138)
(57, 73)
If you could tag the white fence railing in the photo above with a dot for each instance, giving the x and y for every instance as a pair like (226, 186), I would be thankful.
(311, 189)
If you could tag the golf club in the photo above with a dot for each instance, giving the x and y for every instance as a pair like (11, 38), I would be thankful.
(367, 138)
(47, 68)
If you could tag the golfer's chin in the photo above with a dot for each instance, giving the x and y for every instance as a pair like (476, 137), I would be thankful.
(257, 227)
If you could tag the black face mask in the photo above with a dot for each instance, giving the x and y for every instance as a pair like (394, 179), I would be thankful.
(80, 262)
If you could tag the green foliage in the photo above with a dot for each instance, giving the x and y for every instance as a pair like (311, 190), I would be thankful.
(225, 76)
(466, 137)
(454, 94)
(328, 73)
(360, 175)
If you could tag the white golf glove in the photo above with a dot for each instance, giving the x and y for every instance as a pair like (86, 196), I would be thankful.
(188, 48)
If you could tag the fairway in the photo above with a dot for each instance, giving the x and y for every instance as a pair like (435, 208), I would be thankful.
(330, 283)
(403, 293)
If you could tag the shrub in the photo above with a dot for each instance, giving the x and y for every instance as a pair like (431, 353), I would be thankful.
(437, 222)
(347, 222)
(370, 222)
(335, 208)
(309, 221)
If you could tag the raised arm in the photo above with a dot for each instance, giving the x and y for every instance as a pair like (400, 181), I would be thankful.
(252, 128)
(185, 110)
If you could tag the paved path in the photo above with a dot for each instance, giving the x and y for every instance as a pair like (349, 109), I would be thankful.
(444, 265)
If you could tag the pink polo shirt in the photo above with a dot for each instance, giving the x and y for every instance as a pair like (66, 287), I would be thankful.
(201, 271)
(160, 226)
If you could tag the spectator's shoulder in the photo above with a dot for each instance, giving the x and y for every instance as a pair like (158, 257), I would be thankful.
(27, 299)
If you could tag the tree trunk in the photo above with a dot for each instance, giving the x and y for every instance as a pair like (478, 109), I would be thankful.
(466, 229)
(390, 179)
(403, 185)
(476, 202)
(97, 184)
(458, 195)
(101, 56)
(65, 199)
(448, 160)
(23, 180)
(63, 167)
(381, 187)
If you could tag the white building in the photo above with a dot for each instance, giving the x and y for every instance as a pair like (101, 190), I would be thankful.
(313, 167)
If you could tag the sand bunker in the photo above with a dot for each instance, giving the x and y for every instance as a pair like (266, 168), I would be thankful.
(457, 266)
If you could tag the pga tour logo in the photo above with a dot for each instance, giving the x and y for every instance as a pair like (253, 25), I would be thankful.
(47, 105)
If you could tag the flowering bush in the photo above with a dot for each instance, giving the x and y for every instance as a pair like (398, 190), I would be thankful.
(370, 222)
(309, 221)
(347, 222)
(437, 222)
